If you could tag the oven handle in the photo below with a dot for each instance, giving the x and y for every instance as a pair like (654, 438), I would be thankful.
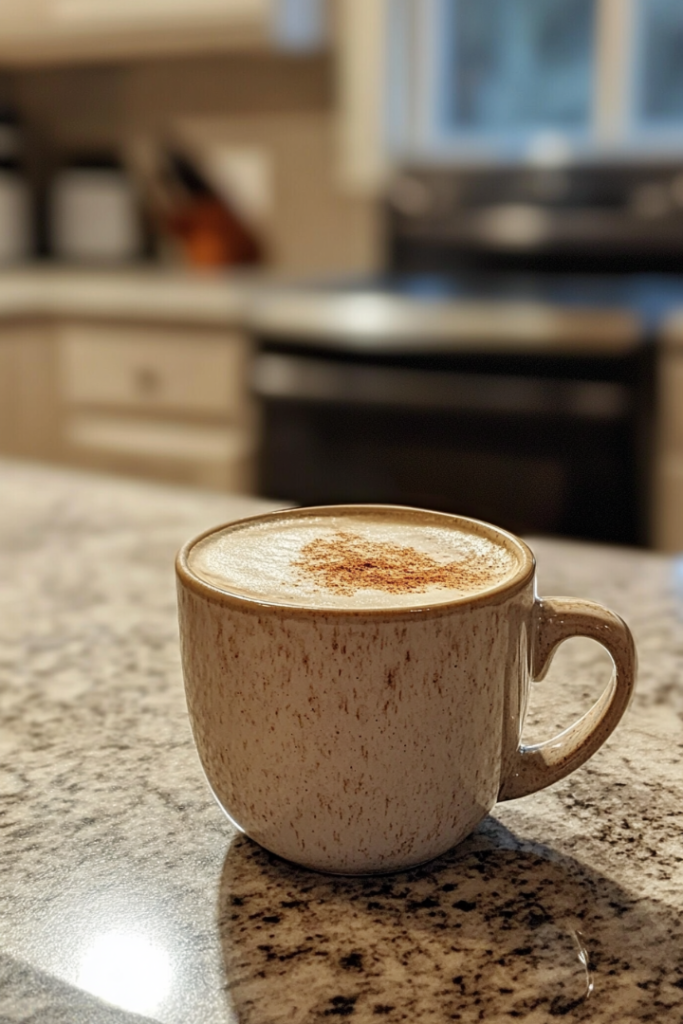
(301, 379)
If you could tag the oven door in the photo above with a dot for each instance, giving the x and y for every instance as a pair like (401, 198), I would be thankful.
(530, 453)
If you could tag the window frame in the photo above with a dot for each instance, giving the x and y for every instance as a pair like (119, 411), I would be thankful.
(662, 131)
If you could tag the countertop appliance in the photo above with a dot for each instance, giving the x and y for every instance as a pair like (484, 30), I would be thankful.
(94, 212)
(16, 215)
(503, 368)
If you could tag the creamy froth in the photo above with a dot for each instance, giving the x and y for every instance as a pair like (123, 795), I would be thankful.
(355, 560)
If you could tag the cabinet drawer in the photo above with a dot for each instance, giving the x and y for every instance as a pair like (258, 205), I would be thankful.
(216, 455)
(153, 368)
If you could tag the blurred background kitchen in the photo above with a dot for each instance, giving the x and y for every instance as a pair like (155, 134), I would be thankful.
(415, 251)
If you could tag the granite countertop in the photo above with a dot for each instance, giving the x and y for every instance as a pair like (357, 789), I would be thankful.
(143, 292)
(576, 316)
(126, 895)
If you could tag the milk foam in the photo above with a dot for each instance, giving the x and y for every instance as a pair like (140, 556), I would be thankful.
(291, 560)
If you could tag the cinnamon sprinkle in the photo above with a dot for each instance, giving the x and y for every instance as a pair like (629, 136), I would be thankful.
(347, 562)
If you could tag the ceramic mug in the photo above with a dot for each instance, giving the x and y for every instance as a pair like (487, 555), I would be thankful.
(358, 742)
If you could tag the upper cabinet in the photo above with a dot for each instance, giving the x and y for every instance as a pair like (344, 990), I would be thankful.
(34, 31)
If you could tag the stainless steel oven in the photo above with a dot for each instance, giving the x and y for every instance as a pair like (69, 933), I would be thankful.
(504, 365)
(533, 416)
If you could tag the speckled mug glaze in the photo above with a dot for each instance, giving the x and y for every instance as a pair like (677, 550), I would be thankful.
(368, 741)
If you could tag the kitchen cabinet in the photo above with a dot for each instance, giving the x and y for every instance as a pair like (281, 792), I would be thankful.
(141, 376)
(29, 405)
(186, 371)
(140, 373)
(668, 504)
(52, 30)
(156, 401)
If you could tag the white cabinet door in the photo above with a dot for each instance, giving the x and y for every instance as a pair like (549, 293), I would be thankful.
(160, 402)
(22, 15)
(29, 414)
(668, 490)
(80, 14)
(36, 30)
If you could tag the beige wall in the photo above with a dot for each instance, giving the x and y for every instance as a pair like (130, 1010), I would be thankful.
(284, 106)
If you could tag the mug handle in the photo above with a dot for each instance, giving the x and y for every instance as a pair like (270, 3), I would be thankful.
(557, 619)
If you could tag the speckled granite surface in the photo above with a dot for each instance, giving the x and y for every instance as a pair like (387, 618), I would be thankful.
(146, 293)
(125, 895)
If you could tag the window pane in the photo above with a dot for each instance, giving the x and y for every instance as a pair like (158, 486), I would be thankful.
(661, 60)
(519, 64)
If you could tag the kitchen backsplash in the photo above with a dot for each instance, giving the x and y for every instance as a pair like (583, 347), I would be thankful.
(260, 126)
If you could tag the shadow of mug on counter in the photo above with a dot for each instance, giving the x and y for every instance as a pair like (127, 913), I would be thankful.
(495, 929)
(357, 679)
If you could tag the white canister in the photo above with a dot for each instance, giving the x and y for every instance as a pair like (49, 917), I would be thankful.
(94, 216)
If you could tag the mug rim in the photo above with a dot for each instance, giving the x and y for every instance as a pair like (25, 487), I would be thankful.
(494, 595)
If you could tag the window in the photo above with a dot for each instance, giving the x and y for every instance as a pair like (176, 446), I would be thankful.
(538, 78)
(518, 65)
(659, 85)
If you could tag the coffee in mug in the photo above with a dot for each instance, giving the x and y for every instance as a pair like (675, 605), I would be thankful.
(357, 679)
(355, 561)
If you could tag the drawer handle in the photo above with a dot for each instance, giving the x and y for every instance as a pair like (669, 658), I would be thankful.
(147, 381)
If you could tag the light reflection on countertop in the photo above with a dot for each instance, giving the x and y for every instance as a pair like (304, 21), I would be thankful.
(127, 969)
(125, 894)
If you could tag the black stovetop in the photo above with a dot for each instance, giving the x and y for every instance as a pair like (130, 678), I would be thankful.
(652, 296)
